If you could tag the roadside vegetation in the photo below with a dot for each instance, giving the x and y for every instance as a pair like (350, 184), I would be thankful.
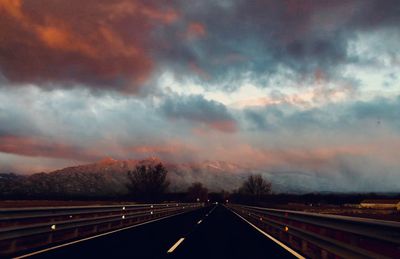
(148, 182)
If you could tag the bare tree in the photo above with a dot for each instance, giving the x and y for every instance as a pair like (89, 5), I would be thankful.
(148, 182)
(197, 191)
(256, 186)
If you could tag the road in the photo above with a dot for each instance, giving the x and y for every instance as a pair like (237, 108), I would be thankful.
(212, 232)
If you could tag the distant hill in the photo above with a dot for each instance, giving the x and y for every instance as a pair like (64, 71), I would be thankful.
(108, 177)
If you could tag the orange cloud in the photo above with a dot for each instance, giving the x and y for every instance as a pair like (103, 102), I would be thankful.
(97, 43)
(225, 126)
(119, 9)
(12, 7)
(199, 71)
(167, 17)
(195, 30)
(42, 147)
(228, 126)
(58, 38)
(146, 149)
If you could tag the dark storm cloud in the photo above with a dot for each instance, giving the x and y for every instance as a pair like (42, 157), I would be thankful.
(309, 37)
(195, 108)
(120, 44)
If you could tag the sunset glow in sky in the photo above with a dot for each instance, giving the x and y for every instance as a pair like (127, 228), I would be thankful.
(288, 85)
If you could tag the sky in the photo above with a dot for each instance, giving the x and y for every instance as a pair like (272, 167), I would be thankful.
(288, 85)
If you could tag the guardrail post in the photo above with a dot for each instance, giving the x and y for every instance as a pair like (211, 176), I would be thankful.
(50, 238)
(304, 245)
(13, 246)
(324, 254)
(327, 236)
(76, 232)
(48, 225)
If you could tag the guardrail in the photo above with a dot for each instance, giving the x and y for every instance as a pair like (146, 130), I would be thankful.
(23, 229)
(326, 236)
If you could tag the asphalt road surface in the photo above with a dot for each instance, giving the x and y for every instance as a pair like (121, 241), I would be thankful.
(212, 232)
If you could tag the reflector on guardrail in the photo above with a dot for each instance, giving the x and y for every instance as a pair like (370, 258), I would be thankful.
(28, 228)
(321, 235)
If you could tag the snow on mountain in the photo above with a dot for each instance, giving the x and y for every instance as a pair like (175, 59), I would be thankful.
(108, 177)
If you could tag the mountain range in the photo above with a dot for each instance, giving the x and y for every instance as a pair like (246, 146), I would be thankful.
(108, 177)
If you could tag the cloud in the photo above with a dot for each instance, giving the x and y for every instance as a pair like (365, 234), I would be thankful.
(327, 146)
(81, 126)
(197, 109)
(304, 37)
(121, 45)
(103, 44)
(37, 147)
(286, 86)
(195, 30)
(27, 164)
(344, 117)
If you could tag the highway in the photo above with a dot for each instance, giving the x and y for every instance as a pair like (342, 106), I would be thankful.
(211, 232)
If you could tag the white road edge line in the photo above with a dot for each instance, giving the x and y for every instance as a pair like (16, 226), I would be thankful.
(290, 250)
(211, 210)
(199, 221)
(92, 237)
(176, 245)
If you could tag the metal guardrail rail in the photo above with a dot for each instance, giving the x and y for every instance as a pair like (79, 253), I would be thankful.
(23, 229)
(326, 236)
